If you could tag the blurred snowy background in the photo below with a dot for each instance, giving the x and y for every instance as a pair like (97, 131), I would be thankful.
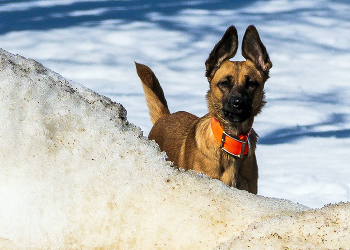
(304, 147)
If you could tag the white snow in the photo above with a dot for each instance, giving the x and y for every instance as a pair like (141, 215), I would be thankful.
(76, 175)
(13, 7)
(303, 151)
(314, 229)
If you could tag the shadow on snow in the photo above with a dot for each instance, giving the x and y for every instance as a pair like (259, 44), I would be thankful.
(34, 17)
(291, 134)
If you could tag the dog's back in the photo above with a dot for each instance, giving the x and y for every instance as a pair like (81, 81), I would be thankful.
(169, 130)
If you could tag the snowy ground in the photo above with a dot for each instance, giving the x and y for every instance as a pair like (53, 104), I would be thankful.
(75, 174)
(303, 152)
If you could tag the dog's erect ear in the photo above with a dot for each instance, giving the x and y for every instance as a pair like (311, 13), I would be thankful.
(254, 50)
(225, 49)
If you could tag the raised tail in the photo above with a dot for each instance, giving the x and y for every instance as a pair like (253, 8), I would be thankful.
(155, 99)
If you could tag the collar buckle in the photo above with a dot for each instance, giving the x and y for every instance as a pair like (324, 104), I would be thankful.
(244, 144)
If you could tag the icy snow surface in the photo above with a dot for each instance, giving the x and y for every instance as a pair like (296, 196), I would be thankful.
(303, 151)
(74, 174)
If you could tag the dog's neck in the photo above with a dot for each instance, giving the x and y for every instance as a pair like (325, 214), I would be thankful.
(237, 145)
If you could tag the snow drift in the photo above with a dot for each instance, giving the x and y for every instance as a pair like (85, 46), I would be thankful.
(74, 174)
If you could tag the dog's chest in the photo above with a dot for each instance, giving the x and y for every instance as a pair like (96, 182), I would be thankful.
(230, 169)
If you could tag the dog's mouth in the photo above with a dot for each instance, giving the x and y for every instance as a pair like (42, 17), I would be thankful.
(237, 116)
(237, 109)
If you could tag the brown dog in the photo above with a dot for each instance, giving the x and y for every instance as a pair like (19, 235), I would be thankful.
(222, 143)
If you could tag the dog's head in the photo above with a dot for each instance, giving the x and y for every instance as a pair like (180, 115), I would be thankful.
(236, 91)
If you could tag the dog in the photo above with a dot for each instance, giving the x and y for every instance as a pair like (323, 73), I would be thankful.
(222, 143)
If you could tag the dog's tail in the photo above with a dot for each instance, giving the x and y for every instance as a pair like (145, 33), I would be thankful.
(155, 99)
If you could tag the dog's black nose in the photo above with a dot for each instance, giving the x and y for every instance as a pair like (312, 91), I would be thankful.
(238, 102)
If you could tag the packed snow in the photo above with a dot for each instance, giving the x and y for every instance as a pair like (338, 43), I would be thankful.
(303, 150)
(75, 174)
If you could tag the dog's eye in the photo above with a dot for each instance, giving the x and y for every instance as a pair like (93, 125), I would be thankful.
(224, 83)
(251, 84)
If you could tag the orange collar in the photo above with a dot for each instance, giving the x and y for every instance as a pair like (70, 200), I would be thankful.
(235, 146)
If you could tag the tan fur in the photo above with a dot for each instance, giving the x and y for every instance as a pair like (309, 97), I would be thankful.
(155, 99)
(187, 139)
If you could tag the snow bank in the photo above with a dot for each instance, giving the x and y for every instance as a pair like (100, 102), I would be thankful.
(74, 174)
(325, 228)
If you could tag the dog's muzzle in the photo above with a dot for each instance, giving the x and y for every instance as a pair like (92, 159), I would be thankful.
(237, 108)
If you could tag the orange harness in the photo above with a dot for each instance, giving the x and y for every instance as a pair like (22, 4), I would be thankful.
(234, 146)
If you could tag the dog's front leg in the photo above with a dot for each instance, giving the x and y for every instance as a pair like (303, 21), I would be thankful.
(248, 175)
(230, 175)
